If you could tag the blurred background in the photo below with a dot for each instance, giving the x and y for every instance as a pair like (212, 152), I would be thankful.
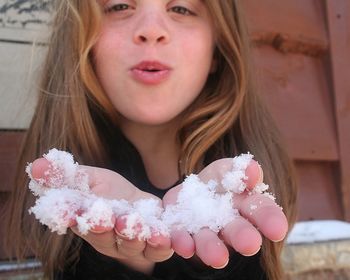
(301, 55)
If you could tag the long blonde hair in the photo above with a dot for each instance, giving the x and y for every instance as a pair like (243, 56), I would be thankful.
(227, 118)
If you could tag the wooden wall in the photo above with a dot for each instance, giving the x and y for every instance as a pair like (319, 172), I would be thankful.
(302, 61)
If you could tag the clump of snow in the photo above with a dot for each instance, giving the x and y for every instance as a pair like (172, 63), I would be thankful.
(261, 188)
(233, 180)
(65, 196)
(150, 210)
(145, 219)
(63, 173)
(57, 208)
(198, 206)
(96, 211)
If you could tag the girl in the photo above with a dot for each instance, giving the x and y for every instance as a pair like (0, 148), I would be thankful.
(154, 90)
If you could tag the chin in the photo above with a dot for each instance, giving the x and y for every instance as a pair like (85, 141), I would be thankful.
(153, 120)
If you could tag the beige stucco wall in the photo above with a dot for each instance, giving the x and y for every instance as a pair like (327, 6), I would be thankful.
(23, 33)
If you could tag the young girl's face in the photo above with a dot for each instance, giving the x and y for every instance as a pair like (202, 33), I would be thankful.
(153, 57)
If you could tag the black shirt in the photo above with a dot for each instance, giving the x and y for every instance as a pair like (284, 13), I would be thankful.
(92, 265)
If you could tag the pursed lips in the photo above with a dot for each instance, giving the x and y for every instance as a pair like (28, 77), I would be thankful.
(150, 72)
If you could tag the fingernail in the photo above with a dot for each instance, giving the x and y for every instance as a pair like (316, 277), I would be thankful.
(120, 226)
(72, 223)
(249, 255)
(103, 226)
(220, 267)
(170, 254)
(100, 229)
(188, 257)
(155, 239)
(152, 243)
(278, 240)
(119, 234)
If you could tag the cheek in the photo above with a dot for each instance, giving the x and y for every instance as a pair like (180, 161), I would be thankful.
(198, 58)
(110, 37)
(107, 62)
(107, 49)
(199, 50)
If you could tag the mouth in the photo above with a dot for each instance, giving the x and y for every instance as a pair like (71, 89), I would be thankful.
(150, 66)
(150, 72)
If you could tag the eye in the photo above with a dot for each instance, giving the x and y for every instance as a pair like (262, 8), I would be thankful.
(117, 8)
(182, 11)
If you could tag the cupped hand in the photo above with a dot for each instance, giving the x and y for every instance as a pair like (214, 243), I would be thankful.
(137, 254)
(259, 215)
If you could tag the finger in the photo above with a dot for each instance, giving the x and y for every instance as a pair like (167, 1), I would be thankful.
(158, 248)
(254, 174)
(265, 214)
(211, 249)
(127, 246)
(219, 168)
(103, 242)
(43, 171)
(109, 184)
(39, 166)
(216, 171)
(170, 196)
(182, 243)
(242, 236)
(102, 182)
(72, 222)
(100, 228)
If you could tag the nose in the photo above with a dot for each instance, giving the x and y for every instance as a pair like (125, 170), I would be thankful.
(151, 29)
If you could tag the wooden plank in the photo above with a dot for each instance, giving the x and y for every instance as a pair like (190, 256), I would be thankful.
(290, 26)
(338, 13)
(18, 79)
(9, 148)
(4, 196)
(296, 91)
(319, 197)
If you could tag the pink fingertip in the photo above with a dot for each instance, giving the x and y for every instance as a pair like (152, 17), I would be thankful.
(248, 242)
(101, 228)
(279, 222)
(120, 223)
(39, 168)
(171, 196)
(158, 240)
(254, 174)
(219, 255)
(220, 267)
(183, 244)
(210, 249)
(72, 223)
(120, 228)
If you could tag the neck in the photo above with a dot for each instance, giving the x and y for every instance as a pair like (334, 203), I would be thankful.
(158, 148)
